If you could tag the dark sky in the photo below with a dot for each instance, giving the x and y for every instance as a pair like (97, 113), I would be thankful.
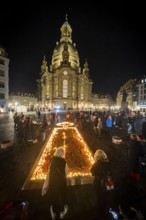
(111, 36)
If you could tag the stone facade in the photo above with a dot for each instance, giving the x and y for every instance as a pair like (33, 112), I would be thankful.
(22, 102)
(142, 95)
(127, 94)
(101, 102)
(64, 84)
(4, 79)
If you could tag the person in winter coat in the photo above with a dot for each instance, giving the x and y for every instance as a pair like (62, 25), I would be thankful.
(58, 184)
(109, 124)
(99, 126)
(130, 213)
(99, 170)
(95, 121)
(134, 153)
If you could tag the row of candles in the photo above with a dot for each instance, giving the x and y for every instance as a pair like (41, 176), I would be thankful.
(40, 174)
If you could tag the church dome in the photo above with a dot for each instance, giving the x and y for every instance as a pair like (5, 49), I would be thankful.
(57, 58)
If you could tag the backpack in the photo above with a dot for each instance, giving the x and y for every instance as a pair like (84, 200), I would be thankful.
(107, 183)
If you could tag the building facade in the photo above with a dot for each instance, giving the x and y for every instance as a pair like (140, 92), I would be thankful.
(4, 79)
(127, 95)
(142, 95)
(22, 102)
(101, 102)
(64, 85)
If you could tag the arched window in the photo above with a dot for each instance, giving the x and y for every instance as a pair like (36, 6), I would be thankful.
(82, 95)
(65, 88)
(73, 91)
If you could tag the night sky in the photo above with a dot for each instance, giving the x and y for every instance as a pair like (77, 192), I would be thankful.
(111, 37)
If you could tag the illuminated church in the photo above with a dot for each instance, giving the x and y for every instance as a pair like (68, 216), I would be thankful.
(64, 84)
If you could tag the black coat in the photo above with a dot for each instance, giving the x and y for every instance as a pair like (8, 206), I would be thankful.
(99, 170)
(57, 178)
(134, 154)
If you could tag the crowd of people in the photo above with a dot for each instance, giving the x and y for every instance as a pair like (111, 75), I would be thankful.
(29, 130)
(106, 203)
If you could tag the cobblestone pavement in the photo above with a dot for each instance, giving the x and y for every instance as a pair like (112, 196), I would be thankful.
(6, 127)
(16, 164)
